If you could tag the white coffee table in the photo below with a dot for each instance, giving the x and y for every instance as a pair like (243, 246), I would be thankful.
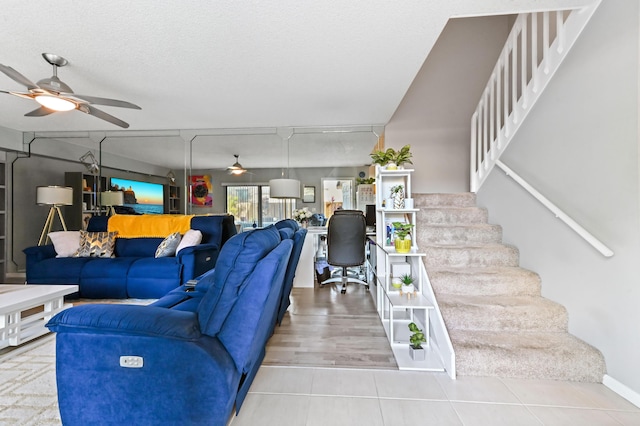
(25, 309)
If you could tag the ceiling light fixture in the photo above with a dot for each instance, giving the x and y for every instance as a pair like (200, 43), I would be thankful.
(55, 104)
(285, 187)
(236, 168)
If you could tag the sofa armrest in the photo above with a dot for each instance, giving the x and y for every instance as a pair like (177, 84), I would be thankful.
(36, 254)
(127, 320)
(197, 260)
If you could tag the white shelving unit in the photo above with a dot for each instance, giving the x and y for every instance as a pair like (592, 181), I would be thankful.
(397, 310)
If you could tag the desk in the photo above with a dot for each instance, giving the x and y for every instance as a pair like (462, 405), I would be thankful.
(305, 272)
(306, 265)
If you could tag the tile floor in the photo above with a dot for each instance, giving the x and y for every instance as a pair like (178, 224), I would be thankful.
(305, 396)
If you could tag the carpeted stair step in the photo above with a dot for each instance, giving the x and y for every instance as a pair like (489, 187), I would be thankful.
(458, 234)
(502, 313)
(507, 281)
(464, 199)
(474, 256)
(526, 355)
(452, 216)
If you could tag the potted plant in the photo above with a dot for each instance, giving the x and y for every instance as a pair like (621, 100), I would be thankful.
(403, 156)
(402, 231)
(416, 339)
(407, 283)
(383, 158)
(365, 181)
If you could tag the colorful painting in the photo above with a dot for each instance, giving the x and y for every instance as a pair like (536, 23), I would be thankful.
(201, 190)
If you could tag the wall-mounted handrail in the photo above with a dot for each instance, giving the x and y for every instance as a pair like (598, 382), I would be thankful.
(597, 244)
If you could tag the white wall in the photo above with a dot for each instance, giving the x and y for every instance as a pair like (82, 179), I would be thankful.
(579, 147)
(435, 113)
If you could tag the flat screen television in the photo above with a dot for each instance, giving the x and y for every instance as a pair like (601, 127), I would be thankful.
(142, 197)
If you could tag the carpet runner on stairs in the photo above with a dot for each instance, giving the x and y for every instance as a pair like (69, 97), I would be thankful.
(499, 323)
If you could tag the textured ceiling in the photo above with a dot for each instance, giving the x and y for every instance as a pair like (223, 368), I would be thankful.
(229, 64)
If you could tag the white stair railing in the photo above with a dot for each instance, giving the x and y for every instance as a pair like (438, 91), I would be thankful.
(536, 46)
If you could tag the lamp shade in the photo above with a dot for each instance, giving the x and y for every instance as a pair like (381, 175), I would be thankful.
(54, 195)
(112, 198)
(284, 188)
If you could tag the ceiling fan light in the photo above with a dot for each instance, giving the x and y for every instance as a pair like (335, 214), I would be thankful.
(237, 171)
(55, 103)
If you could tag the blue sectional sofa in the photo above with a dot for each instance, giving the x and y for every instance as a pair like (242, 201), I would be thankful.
(134, 272)
(187, 362)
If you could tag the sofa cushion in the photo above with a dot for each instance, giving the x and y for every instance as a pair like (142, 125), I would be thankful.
(151, 278)
(55, 270)
(191, 238)
(137, 247)
(96, 244)
(168, 246)
(66, 243)
(237, 260)
(106, 278)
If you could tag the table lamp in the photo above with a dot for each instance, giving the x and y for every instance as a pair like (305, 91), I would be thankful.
(110, 199)
(54, 196)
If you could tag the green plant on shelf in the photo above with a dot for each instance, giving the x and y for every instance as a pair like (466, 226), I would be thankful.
(417, 338)
(402, 229)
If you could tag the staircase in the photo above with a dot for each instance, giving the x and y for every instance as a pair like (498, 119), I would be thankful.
(499, 323)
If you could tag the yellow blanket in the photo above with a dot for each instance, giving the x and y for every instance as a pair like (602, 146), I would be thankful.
(148, 225)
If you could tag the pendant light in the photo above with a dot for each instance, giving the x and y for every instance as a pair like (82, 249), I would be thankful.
(285, 187)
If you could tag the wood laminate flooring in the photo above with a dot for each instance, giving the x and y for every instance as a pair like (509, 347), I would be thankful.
(324, 328)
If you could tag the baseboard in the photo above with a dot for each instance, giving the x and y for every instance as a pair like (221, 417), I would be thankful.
(622, 390)
(16, 274)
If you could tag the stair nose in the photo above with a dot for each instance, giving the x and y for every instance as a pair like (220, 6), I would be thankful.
(486, 255)
(464, 199)
(458, 234)
(452, 215)
(503, 313)
(499, 281)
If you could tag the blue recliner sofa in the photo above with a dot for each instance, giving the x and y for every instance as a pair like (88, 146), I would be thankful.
(127, 364)
(134, 272)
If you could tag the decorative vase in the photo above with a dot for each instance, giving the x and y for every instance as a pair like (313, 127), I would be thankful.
(398, 200)
(417, 354)
(402, 246)
(396, 283)
(304, 224)
(391, 166)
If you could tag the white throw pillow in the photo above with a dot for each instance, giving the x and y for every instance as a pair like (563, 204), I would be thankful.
(192, 237)
(66, 243)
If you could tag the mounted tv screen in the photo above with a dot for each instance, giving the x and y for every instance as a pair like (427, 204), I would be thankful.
(142, 197)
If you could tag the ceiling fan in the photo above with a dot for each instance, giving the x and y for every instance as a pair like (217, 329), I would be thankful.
(54, 95)
(236, 168)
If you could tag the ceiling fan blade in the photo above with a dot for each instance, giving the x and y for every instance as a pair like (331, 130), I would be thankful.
(39, 112)
(17, 77)
(88, 109)
(19, 94)
(104, 101)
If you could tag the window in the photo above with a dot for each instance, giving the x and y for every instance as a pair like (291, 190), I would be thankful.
(252, 207)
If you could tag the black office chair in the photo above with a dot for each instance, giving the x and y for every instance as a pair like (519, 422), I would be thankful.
(346, 239)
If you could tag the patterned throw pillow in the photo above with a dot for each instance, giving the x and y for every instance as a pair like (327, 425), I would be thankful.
(168, 246)
(96, 244)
